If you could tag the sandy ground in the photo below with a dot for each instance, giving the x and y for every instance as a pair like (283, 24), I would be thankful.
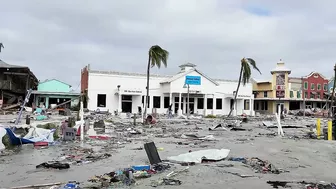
(304, 159)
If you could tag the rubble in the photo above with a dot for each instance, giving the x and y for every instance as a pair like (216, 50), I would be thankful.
(112, 150)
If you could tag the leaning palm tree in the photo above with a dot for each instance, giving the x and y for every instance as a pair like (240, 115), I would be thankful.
(1, 46)
(245, 75)
(156, 57)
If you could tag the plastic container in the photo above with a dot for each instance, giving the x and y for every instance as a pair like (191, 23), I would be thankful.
(141, 167)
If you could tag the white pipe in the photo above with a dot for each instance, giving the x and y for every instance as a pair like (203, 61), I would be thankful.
(81, 114)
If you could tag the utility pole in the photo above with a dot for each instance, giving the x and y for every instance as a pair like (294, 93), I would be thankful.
(188, 108)
(332, 95)
(303, 96)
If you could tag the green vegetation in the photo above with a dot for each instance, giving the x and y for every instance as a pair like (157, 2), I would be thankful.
(210, 116)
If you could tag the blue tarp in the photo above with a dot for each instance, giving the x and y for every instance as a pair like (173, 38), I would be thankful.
(16, 140)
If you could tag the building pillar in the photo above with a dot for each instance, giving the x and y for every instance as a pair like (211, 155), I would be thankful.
(119, 103)
(184, 105)
(205, 105)
(195, 105)
(162, 104)
(179, 110)
(47, 102)
(213, 104)
(251, 107)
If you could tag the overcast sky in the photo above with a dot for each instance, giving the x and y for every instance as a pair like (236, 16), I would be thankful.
(57, 38)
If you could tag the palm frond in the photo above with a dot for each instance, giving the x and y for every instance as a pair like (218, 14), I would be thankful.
(253, 64)
(246, 72)
(158, 56)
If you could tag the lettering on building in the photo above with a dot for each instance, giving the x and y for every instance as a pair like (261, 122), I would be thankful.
(133, 91)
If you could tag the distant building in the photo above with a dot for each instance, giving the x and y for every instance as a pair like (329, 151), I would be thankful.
(54, 92)
(288, 91)
(271, 94)
(15, 81)
(125, 92)
(315, 87)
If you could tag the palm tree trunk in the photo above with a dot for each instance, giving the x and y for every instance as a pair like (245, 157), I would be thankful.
(147, 90)
(235, 98)
(333, 94)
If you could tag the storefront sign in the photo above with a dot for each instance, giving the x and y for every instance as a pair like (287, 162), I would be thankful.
(280, 85)
(130, 91)
(193, 80)
(194, 91)
(244, 96)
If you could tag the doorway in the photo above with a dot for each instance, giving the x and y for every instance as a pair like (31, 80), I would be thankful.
(126, 103)
(191, 104)
(282, 106)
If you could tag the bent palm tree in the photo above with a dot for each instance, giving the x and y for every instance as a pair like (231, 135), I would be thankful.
(156, 57)
(245, 75)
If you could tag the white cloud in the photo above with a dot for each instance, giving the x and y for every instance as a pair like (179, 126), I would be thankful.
(57, 38)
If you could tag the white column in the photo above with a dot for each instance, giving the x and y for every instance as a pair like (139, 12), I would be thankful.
(195, 105)
(213, 104)
(251, 107)
(184, 105)
(205, 105)
(179, 111)
(170, 98)
(119, 103)
(161, 104)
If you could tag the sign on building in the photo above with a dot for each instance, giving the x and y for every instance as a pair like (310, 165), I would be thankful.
(132, 91)
(193, 80)
(280, 85)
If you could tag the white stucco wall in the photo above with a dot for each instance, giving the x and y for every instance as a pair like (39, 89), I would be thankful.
(106, 83)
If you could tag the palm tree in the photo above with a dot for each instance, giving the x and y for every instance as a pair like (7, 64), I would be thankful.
(245, 75)
(156, 57)
(1, 46)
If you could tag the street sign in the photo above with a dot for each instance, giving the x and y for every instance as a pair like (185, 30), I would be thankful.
(193, 80)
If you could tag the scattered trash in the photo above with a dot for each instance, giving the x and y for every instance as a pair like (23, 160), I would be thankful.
(202, 155)
(54, 165)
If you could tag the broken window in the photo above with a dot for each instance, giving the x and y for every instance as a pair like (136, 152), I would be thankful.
(219, 103)
(166, 102)
(246, 104)
(156, 102)
(200, 103)
(101, 100)
(209, 103)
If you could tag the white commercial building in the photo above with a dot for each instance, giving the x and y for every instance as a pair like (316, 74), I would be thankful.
(125, 92)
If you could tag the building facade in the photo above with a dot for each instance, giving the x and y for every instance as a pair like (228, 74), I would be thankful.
(291, 93)
(271, 94)
(125, 92)
(54, 92)
(315, 90)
